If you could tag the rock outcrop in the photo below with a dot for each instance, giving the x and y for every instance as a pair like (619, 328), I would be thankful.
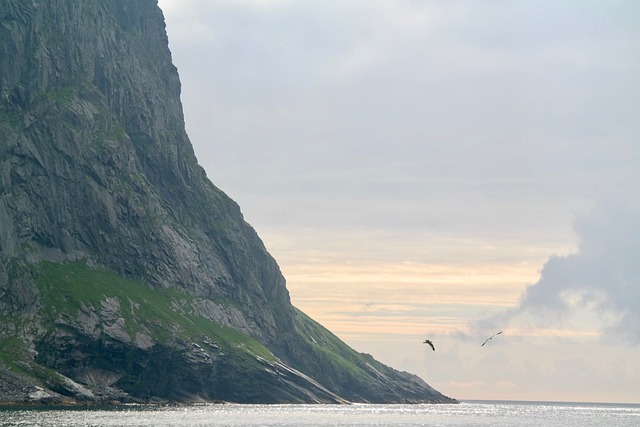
(125, 274)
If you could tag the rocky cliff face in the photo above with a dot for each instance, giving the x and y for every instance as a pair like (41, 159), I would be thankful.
(124, 272)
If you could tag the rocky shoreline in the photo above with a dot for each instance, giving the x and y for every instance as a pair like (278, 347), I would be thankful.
(21, 390)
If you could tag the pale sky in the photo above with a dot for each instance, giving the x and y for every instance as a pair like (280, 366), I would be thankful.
(437, 169)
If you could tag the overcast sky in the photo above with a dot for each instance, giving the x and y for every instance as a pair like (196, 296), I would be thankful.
(437, 169)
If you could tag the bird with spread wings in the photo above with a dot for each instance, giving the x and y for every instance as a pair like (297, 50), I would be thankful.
(430, 344)
(487, 340)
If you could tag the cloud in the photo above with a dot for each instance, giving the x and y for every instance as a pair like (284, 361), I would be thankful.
(421, 109)
(599, 282)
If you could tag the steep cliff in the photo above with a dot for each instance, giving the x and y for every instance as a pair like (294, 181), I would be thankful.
(125, 274)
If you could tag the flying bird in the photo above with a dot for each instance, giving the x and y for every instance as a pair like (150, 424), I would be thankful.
(430, 343)
(487, 340)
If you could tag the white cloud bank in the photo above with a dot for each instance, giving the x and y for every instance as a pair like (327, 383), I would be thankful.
(595, 288)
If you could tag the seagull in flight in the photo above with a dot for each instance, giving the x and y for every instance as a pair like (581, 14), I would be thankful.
(430, 344)
(487, 340)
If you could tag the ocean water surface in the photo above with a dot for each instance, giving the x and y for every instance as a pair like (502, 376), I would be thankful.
(475, 413)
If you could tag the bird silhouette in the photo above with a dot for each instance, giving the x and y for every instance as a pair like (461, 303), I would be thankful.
(487, 340)
(430, 343)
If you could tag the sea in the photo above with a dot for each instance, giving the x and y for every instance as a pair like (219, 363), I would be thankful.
(467, 413)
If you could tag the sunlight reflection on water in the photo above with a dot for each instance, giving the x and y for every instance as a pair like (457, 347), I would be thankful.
(464, 414)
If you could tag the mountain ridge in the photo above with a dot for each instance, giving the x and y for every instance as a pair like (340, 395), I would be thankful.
(125, 274)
